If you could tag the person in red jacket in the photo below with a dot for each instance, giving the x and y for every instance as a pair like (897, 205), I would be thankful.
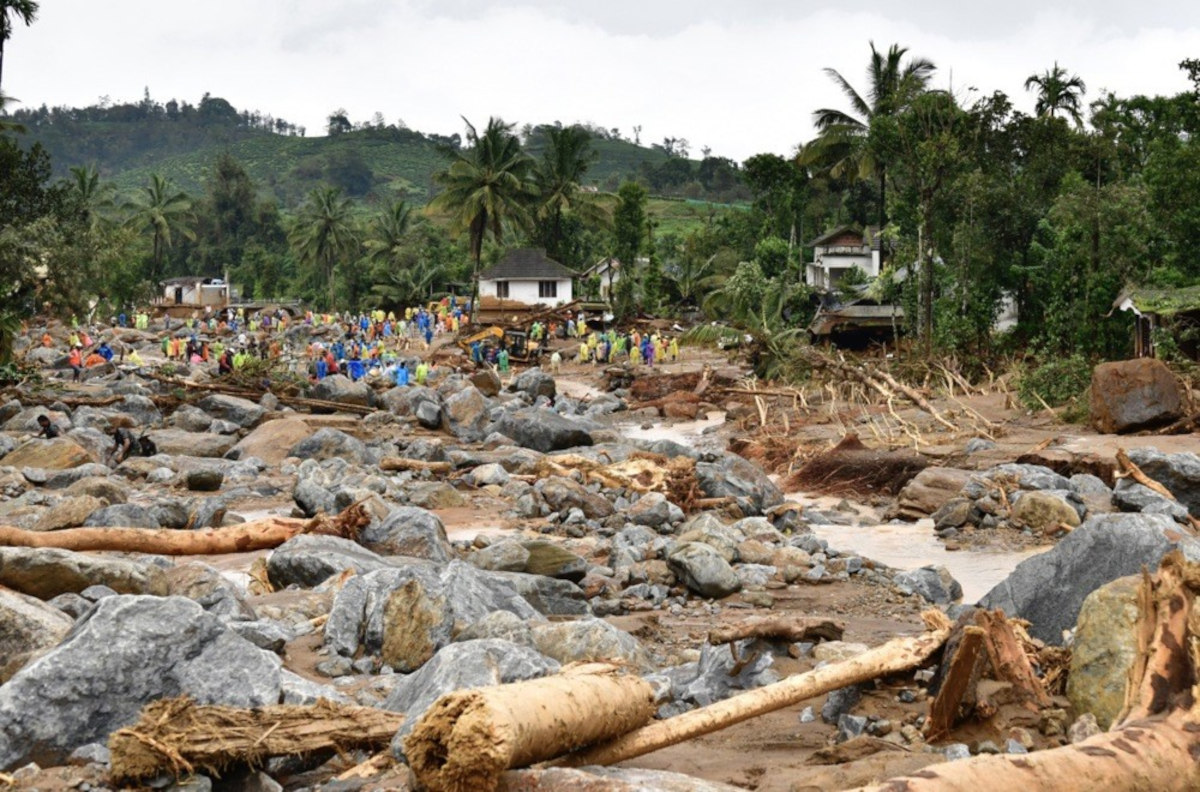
(75, 361)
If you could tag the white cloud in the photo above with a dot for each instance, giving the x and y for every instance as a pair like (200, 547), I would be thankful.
(741, 78)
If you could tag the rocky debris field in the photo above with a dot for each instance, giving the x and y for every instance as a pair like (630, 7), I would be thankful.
(508, 530)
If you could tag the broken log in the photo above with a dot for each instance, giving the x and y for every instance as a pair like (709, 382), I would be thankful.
(778, 628)
(1008, 657)
(893, 657)
(1156, 740)
(961, 674)
(179, 736)
(415, 465)
(469, 737)
(262, 534)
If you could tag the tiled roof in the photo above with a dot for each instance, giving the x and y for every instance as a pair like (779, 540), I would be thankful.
(526, 264)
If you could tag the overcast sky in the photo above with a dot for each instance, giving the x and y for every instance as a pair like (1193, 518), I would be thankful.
(740, 77)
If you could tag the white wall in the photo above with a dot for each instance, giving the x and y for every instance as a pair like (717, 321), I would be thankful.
(527, 291)
(826, 271)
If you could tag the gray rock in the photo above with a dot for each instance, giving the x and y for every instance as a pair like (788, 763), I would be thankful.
(126, 652)
(955, 751)
(653, 510)
(47, 572)
(977, 444)
(466, 414)
(330, 443)
(210, 589)
(92, 753)
(308, 560)
(548, 596)
(1049, 589)
(429, 414)
(28, 627)
(534, 383)
(840, 702)
(499, 624)
(586, 640)
(731, 476)
(263, 634)
(934, 583)
(312, 498)
(714, 677)
(1179, 473)
(141, 409)
(190, 419)
(487, 474)
(702, 569)
(1129, 496)
(204, 480)
(295, 689)
(544, 430)
(554, 561)
(343, 390)
(461, 666)
(506, 556)
(563, 494)
(409, 531)
(1104, 649)
(122, 514)
(851, 726)
(175, 442)
(241, 412)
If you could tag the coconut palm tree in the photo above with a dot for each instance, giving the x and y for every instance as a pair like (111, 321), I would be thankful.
(11, 12)
(165, 213)
(324, 234)
(843, 143)
(401, 275)
(486, 187)
(558, 178)
(94, 197)
(1057, 91)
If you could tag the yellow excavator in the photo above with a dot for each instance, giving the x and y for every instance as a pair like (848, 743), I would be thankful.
(520, 346)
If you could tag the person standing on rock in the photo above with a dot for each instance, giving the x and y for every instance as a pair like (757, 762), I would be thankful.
(422, 372)
(75, 361)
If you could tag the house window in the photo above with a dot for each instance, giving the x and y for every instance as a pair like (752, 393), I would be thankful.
(547, 289)
(502, 289)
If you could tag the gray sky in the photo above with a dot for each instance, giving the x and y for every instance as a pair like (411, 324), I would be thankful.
(740, 77)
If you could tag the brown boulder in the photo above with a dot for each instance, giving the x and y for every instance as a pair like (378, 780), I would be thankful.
(272, 441)
(929, 490)
(57, 454)
(28, 627)
(1130, 395)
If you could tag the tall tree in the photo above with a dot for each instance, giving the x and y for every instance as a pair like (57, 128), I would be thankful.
(558, 180)
(486, 186)
(629, 232)
(1057, 91)
(94, 198)
(324, 234)
(165, 213)
(11, 12)
(844, 142)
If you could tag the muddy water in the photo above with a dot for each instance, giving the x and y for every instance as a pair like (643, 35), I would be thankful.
(912, 545)
(686, 433)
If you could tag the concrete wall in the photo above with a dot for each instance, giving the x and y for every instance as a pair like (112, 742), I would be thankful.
(526, 291)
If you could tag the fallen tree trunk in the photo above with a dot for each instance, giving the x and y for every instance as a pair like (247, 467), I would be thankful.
(895, 656)
(255, 535)
(469, 737)
(961, 673)
(416, 465)
(778, 629)
(179, 736)
(1157, 739)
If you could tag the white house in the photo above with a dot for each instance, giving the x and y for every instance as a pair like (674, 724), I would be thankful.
(526, 275)
(195, 291)
(838, 251)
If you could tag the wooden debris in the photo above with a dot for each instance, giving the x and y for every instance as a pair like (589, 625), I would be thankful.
(893, 657)
(779, 628)
(1008, 657)
(469, 737)
(416, 465)
(1157, 738)
(962, 673)
(255, 535)
(179, 736)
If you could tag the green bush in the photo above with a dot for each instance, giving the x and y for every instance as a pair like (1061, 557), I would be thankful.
(1055, 382)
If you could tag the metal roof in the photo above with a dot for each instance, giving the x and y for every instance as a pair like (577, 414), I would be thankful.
(526, 264)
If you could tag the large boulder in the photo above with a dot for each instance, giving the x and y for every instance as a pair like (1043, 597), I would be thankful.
(70, 512)
(462, 666)
(1049, 589)
(934, 583)
(57, 454)
(588, 640)
(28, 627)
(1179, 473)
(45, 572)
(1129, 395)
(929, 491)
(330, 443)
(271, 441)
(309, 560)
(563, 494)
(176, 442)
(409, 531)
(702, 569)
(553, 561)
(207, 587)
(548, 596)
(534, 383)
(544, 430)
(122, 515)
(123, 654)
(1040, 512)
(1105, 648)
(343, 390)
(141, 409)
(728, 475)
(466, 414)
(242, 412)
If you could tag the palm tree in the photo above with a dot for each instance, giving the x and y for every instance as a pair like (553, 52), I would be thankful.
(842, 144)
(324, 233)
(94, 197)
(557, 179)
(165, 213)
(1056, 91)
(401, 276)
(486, 186)
(11, 12)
